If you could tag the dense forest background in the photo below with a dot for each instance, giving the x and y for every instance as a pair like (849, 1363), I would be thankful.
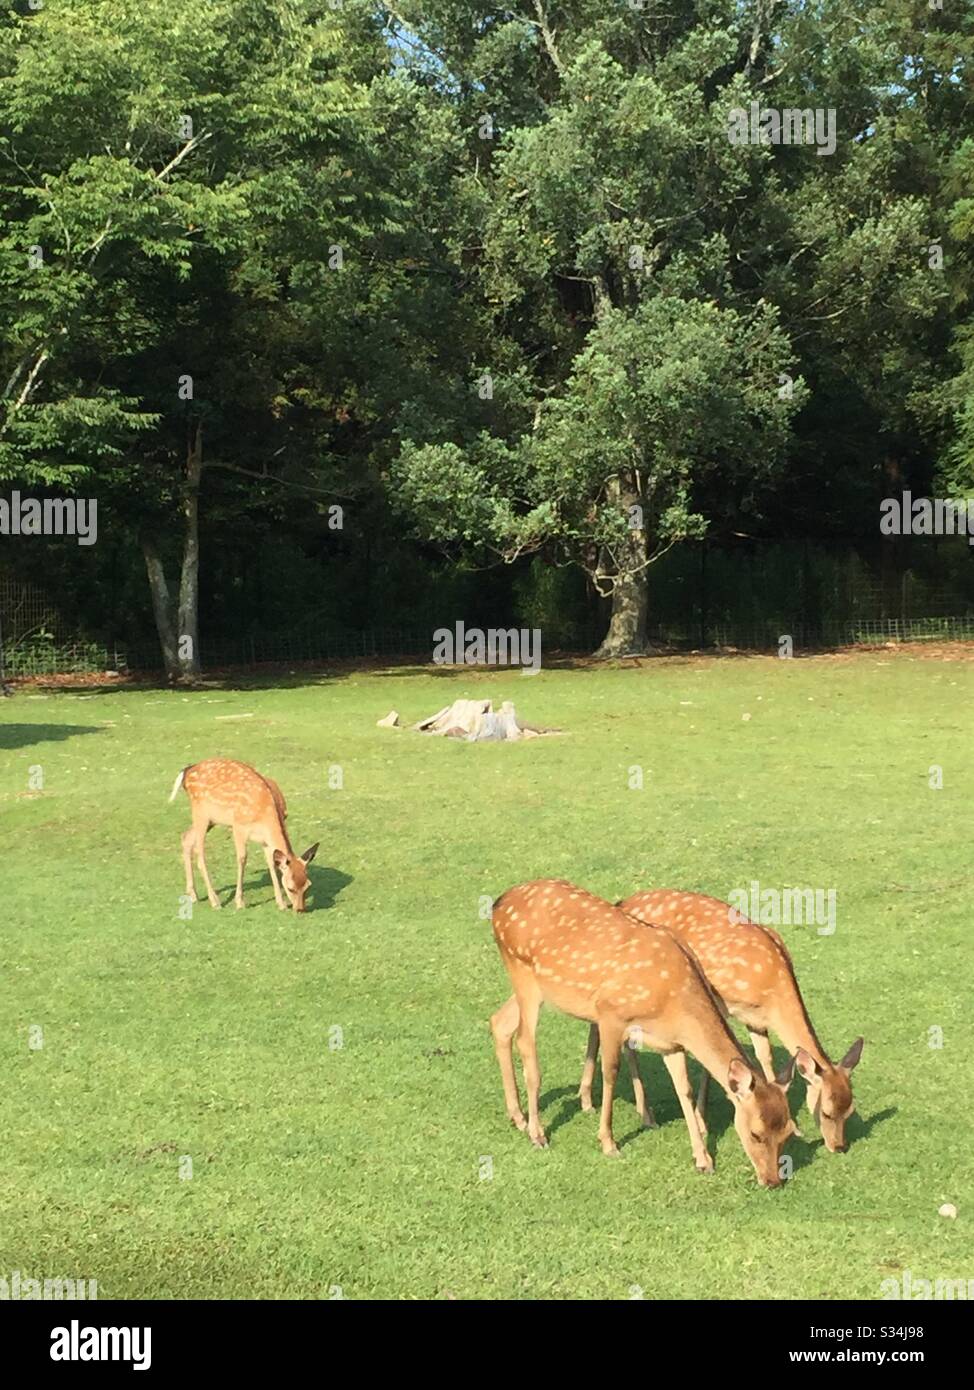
(357, 320)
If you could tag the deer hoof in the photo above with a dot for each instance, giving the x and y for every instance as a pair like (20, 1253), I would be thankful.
(706, 1169)
(587, 1105)
(519, 1122)
(649, 1120)
(540, 1140)
(611, 1150)
(215, 902)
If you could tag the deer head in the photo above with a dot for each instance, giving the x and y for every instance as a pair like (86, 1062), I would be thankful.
(830, 1093)
(761, 1117)
(294, 875)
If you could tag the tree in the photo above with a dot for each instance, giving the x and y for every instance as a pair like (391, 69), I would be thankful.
(601, 221)
(656, 400)
(181, 181)
(611, 183)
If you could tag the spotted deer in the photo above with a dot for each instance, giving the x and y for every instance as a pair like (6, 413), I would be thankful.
(563, 946)
(224, 792)
(750, 970)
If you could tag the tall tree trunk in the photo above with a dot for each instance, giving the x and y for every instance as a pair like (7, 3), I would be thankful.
(630, 591)
(189, 581)
(630, 588)
(627, 626)
(178, 624)
(892, 549)
(162, 607)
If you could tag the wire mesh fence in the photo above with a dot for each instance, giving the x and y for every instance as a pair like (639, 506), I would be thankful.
(848, 632)
(49, 658)
(40, 656)
(267, 649)
(25, 609)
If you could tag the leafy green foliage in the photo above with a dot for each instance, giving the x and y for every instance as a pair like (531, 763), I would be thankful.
(373, 210)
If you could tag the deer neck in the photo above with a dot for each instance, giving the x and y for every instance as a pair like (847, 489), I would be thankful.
(277, 836)
(704, 1030)
(713, 1044)
(794, 1027)
(278, 839)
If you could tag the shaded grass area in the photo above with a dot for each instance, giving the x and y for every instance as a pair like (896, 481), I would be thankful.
(331, 1077)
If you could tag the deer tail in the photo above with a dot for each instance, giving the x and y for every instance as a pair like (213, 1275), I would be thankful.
(176, 785)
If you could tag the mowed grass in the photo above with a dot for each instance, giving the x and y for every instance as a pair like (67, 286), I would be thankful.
(386, 1167)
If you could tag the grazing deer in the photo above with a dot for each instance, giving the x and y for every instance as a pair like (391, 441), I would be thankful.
(566, 947)
(750, 970)
(224, 792)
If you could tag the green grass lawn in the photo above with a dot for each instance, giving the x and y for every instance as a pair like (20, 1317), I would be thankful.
(364, 1166)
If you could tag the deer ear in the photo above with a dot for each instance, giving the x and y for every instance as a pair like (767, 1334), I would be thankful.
(787, 1072)
(808, 1069)
(740, 1077)
(309, 854)
(851, 1058)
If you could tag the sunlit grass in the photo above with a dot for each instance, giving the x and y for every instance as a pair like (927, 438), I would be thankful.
(331, 1076)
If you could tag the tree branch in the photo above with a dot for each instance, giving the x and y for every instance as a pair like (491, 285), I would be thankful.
(548, 37)
(177, 159)
(764, 10)
(29, 383)
(282, 482)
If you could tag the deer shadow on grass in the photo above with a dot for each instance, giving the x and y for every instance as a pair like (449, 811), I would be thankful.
(655, 1079)
(661, 1098)
(857, 1128)
(25, 735)
(326, 885)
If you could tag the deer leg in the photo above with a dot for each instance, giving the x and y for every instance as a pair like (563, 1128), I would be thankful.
(200, 827)
(704, 1087)
(701, 1110)
(676, 1065)
(638, 1090)
(529, 1007)
(588, 1070)
(189, 844)
(762, 1051)
(503, 1025)
(272, 867)
(240, 845)
(611, 1035)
